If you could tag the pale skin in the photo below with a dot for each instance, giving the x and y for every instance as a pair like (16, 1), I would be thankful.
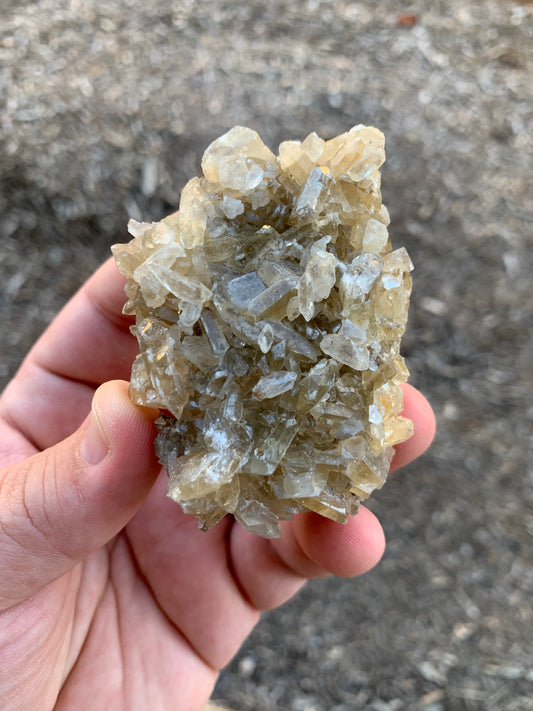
(110, 597)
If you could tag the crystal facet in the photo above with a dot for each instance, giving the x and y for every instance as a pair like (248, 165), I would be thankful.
(269, 313)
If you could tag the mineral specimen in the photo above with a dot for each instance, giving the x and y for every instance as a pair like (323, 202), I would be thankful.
(269, 313)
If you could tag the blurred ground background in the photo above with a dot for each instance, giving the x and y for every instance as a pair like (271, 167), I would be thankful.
(105, 109)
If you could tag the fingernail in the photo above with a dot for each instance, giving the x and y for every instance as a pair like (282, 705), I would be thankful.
(95, 445)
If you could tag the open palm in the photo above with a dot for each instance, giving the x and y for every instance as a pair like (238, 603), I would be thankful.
(110, 597)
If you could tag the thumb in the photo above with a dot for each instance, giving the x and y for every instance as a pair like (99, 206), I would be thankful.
(62, 504)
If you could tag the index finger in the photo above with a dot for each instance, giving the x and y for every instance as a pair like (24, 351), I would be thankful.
(87, 344)
(89, 341)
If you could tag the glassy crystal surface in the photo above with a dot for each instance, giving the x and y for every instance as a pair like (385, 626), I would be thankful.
(269, 312)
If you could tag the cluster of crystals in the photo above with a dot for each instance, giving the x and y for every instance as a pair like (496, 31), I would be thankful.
(269, 313)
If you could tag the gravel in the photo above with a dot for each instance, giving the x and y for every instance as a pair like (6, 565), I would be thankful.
(105, 109)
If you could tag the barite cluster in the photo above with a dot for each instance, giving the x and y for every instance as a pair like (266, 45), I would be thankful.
(269, 312)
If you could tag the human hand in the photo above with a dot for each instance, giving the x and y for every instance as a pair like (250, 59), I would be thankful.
(110, 597)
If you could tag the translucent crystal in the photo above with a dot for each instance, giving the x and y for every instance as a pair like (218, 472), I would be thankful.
(214, 332)
(271, 297)
(345, 350)
(269, 313)
(266, 338)
(274, 384)
(300, 477)
(196, 475)
(192, 217)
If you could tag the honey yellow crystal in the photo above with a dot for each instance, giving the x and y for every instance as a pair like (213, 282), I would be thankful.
(269, 313)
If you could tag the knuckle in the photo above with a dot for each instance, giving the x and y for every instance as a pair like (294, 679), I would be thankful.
(32, 513)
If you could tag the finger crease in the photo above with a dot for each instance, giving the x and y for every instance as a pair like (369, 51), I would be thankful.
(180, 632)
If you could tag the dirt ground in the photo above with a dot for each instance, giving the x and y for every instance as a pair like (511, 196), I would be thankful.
(105, 109)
